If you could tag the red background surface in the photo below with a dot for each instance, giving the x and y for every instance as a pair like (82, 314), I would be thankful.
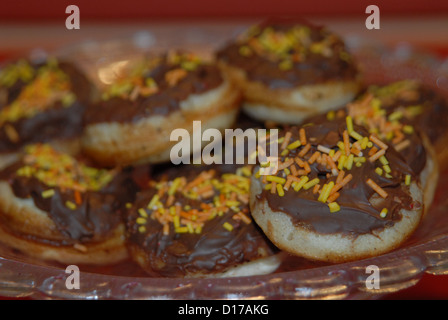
(106, 11)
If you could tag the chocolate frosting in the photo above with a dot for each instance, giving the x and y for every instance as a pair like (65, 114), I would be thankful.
(432, 116)
(357, 215)
(57, 122)
(214, 250)
(166, 100)
(415, 154)
(314, 68)
(94, 219)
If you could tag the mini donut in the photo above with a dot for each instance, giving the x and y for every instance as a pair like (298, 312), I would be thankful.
(41, 102)
(56, 208)
(329, 201)
(417, 105)
(134, 120)
(290, 70)
(196, 223)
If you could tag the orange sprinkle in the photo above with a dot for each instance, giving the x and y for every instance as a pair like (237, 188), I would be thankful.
(340, 176)
(293, 170)
(355, 151)
(286, 141)
(245, 218)
(299, 162)
(316, 188)
(372, 151)
(337, 155)
(78, 199)
(304, 150)
(307, 167)
(377, 155)
(378, 142)
(285, 164)
(314, 157)
(377, 188)
(403, 145)
(273, 187)
(399, 136)
(302, 136)
(330, 162)
(333, 197)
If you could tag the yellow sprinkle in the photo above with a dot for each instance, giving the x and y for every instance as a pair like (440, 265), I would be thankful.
(298, 185)
(284, 152)
(294, 145)
(190, 228)
(231, 203)
(359, 159)
(407, 179)
(395, 115)
(349, 122)
(181, 230)
(142, 229)
(384, 212)
(47, 193)
(153, 201)
(311, 183)
(142, 213)
(384, 161)
(331, 153)
(172, 210)
(70, 205)
(387, 168)
(268, 186)
(174, 186)
(379, 171)
(128, 205)
(227, 226)
(341, 162)
(334, 207)
(276, 179)
(356, 136)
(326, 192)
(331, 115)
(341, 147)
(349, 163)
(140, 220)
(364, 143)
(408, 129)
(198, 229)
(176, 221)
(280, 190)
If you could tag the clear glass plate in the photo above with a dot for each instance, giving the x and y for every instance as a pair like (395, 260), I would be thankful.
(425, 252)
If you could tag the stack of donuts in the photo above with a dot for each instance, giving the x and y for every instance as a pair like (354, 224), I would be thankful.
(86, 176)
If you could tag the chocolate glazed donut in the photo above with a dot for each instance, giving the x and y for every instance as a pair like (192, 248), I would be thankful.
(55, 208)
(340, 194)
(41, 102)
(195, 222)
(289, 70)
(134, 121)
